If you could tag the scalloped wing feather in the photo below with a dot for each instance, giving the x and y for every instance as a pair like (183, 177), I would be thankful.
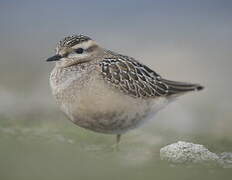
(132, 77)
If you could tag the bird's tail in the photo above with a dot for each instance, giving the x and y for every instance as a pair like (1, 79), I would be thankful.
(176, 88)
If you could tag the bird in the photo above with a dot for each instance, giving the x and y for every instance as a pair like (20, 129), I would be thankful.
(105, 91)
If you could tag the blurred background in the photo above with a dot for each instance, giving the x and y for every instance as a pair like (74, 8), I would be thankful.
(181, 40)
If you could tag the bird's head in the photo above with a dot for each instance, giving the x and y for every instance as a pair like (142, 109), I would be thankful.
(76, 49)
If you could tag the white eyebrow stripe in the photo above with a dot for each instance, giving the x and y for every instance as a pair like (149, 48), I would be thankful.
(85, 45)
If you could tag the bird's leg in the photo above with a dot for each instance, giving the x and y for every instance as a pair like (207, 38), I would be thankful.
(115, 146)
(118, 138)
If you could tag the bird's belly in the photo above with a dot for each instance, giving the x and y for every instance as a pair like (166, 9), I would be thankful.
(100, 108)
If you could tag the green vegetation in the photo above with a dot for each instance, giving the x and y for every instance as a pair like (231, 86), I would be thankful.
(57, 149)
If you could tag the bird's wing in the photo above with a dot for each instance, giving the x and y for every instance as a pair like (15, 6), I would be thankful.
(132, 77)
(138, 80)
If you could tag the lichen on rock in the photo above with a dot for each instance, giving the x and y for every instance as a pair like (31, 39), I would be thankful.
(188, 153)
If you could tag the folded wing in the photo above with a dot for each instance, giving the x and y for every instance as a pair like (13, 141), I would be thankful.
(138, 80)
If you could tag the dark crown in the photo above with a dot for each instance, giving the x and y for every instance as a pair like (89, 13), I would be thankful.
(73, 40)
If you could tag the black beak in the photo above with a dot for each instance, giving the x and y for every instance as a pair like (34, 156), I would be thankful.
(54, 58)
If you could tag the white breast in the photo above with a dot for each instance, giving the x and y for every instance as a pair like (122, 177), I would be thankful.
(91, 103)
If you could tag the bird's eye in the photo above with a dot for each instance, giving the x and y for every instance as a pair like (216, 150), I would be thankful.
(79, 51)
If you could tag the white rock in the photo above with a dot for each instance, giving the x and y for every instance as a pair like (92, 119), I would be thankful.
(188, 153)
(226, 159)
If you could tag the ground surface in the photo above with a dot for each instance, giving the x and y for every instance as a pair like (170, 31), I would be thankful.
(59, 150)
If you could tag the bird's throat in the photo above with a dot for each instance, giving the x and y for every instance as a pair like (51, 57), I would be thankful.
(76, 63)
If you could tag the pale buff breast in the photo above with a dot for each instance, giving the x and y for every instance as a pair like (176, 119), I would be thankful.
(93, 104)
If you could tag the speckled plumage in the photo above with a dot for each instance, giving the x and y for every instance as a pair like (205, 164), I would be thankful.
(108, 92)
(70, 41)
